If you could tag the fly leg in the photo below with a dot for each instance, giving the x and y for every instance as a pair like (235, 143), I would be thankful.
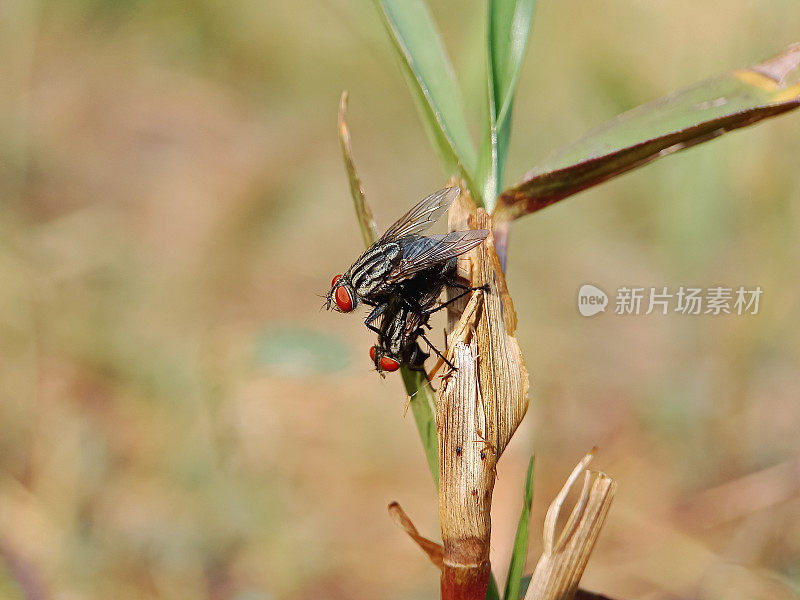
(415, 307)
(484, 287)
(439, 354)
(457, 284)
(374, 314)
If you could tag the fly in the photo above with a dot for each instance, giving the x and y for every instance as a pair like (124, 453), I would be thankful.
(401, 326)
(403, 261)
(398, 332)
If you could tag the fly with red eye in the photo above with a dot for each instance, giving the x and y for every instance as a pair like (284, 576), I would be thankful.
(401, 327)
(382, 362)
(401, 255)
(342, 296)
(401, 276)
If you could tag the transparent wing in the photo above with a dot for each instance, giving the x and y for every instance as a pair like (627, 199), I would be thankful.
(433, 250)
(423, 215)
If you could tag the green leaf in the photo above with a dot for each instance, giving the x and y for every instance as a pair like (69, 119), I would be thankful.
(366, 222)
(492, 593)
(423, 403)
(508, 26)
(637, 137)
(422, 398)
(488, 162)
(521, 540)
(432, 81)
(523, 587)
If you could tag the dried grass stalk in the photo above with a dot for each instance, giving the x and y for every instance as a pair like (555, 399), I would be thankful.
(458, 220)
(504, 379)
(366, 222)
(565, 555)
(479, 406)
(503, 376)
(466, 480)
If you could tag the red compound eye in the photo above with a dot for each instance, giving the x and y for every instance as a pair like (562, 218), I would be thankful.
(389, 364)
(372, 353)
(335, 279)
(343, 299)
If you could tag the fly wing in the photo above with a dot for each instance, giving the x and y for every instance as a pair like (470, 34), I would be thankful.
(432, 250)
(423, 215)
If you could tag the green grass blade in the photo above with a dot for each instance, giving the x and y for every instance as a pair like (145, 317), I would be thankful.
(492, 593)
(423, 404)
(417, 386)
(517, 563)
(366, 222)
(683, 119)
(432, 81)
(488, 159)
(507, 31)
(523, 587)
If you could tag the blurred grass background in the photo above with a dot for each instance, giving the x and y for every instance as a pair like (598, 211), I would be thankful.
(179, 419)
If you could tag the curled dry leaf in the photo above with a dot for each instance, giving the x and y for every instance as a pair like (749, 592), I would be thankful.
(479, 406)
(465, 327)
(503, 376)
(434, 550)
(366, 222)
(554, 510)
(509, 314)
(458, 220)
(566, 554)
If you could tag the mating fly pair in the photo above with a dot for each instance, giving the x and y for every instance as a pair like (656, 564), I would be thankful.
(401, 276)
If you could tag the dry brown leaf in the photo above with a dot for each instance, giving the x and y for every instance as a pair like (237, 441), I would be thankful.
(466, 475)
(479, 407)
(434, 550)
(502, 374)
(366, 222)
(566, 554)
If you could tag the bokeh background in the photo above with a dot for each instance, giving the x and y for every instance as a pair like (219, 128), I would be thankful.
(179, 419)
